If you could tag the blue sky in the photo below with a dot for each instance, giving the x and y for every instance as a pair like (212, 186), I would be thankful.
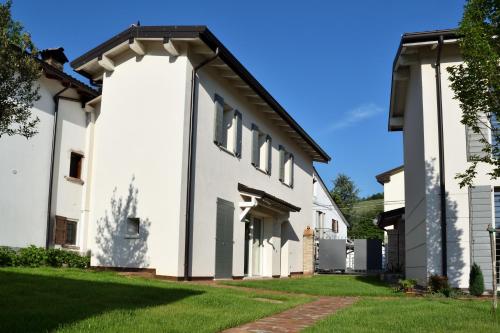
(327, 62)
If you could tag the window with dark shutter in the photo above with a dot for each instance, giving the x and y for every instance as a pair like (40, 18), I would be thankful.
(60, 232)
(133, 225)
(70, 232)
(75, 166)
(286, 166)
(335, 226)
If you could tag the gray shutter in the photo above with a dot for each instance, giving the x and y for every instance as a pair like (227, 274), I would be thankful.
(224, 239)
(480, 217)
(237, 137)
(282, 163)
(474, 144)
(255, 145)
(292, 161)
(218, 118)
(269, 154)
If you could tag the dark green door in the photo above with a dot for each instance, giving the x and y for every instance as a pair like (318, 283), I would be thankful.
(224, 240)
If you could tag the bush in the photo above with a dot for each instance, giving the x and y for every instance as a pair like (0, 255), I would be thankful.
(32, 256)
(407, 284)
(438, 283)
(7, 256)
(476, 280)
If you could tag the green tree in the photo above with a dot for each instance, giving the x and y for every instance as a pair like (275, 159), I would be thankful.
(362, 219)
(345, 194)
(19, 72)
(476, 82)
(476, 280)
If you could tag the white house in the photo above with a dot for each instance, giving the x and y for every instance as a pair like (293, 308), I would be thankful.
(329, 222)
(41, 178)
(391, 220)
(445, 224)
(186, 164)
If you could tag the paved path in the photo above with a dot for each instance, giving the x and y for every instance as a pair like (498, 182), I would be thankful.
(298, 318)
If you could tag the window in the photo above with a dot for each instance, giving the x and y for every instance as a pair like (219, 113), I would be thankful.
(335, 226)
(227, 127)
(65, 233)
(261, 150)
(75, 166)
(495, 136)
(320, 224)
(286, 166)
(133, 226)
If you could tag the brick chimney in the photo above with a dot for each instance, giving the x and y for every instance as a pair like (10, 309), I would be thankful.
(54, 57)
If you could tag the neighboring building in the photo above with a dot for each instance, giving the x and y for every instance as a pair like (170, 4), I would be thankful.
(184, 165)
(392, 219)
(446, 233)
(25, 171)
(329, 223)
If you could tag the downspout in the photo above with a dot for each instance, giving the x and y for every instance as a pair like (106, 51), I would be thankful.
(190, 176)
(52, 153)
(442, 180)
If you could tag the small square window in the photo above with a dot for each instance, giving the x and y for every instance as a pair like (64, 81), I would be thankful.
(133, 226)
(75, 167)
(70, 232)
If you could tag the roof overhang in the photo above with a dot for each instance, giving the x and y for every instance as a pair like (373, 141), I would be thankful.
(385, 177)
(267, 199)
(390, 217)
(197, 41)
(407, 55)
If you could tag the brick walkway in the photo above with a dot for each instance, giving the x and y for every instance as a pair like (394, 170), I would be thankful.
(298, 318)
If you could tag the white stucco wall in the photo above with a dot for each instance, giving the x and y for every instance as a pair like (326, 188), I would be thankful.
(137, 163)
(322, 202)
(394, 191)
(217, 174)
(25, 170)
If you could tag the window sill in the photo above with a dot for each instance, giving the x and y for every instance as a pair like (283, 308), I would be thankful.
(287, 185)
(74, 180)
(70, 247)
(132, 237)
(224, 149)
(261, 170)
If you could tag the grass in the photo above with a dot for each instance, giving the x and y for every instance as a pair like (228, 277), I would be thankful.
(324, 285)
(411, 315)
(70, 300)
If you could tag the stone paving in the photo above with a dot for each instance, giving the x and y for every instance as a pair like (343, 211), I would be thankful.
(298, 318)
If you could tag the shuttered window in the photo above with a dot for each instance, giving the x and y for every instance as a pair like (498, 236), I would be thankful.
(261, 150)
(65, 231)
(335, 226)
(286, 166)
(475, 141)
(75, 166)
(133, 226)
(495, 136)
(227, 127)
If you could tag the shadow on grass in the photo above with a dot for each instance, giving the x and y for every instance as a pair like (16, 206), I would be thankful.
(373, 280)
(39, 303)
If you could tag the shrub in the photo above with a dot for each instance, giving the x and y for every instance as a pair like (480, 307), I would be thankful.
(32, 256)
(438, 283)
(476, 280)
(407, 284)
(8, 256)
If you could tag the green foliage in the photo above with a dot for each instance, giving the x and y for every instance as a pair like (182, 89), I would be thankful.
(375, 196)
(476, 280)
(438, 283)
(7, 256)
(345, 193)
(476, 82)
(407, 284)
(19, 72)
(33, 256)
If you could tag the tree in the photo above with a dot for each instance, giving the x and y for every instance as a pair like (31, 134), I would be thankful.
(19, 72)
(476, 280)
(345, 194)
(476, 82)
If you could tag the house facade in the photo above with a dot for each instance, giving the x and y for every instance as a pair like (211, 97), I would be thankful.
(190, 167)
(391, 220)
(49, 169)
(329, 222)
(445, 224)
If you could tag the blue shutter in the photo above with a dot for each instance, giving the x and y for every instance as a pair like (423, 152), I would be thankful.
(218, 119)
(269, 141)
(255, 146)
(237, 137)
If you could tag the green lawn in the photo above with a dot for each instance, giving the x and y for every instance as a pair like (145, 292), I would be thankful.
(67, 300)
(412, 315)
(326, 285)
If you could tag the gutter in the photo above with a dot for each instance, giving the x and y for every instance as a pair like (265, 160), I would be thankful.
(190, 170)
(442, 180)
(56, 98)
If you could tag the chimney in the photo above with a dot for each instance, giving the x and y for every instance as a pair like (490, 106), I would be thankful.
(54, 57)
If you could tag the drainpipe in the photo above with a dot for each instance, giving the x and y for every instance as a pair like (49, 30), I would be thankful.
(442, 180)
(190, 175)
(52, 153)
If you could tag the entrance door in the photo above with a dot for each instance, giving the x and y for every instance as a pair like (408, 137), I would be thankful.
(257, 247)
(224, 240)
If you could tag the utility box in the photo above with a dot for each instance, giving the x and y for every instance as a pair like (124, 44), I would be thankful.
(367, 254)
(332, 255)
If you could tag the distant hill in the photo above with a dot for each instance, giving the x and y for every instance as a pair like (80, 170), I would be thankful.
(361, 219)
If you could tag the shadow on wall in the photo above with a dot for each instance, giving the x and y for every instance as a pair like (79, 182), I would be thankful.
(116, 246)
(455, 253)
